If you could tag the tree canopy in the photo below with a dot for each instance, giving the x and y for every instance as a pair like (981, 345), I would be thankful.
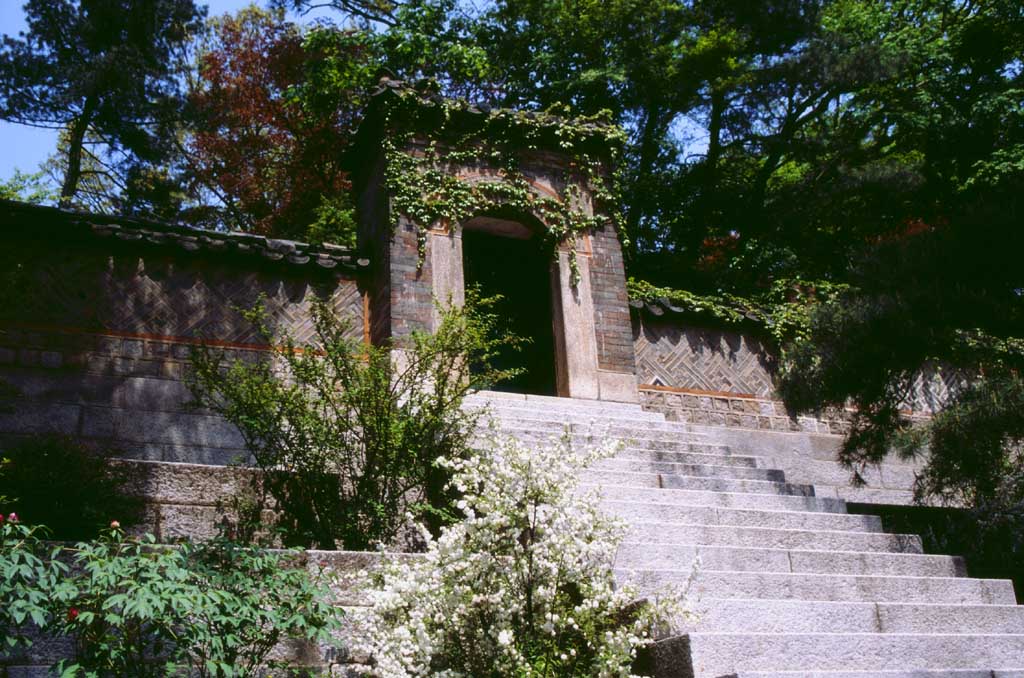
(99, 67)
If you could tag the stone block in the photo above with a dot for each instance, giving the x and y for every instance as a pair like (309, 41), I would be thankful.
(32, 417)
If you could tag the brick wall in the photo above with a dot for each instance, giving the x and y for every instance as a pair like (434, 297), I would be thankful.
(99, 340)
(615, 349)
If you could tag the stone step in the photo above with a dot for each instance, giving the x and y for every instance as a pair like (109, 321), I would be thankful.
(637, 513)
(935, 673)
(764, 537)
(573, 406)
(682, 482)
(546, 402)
(689, 457)
(699, 497)
(624, 463)
(825, 587)
(726, 654)
(801, 616)
(584, 418)
(637, 555)
(594, 426)
(672, 444)
(597, 427)
(544, 431)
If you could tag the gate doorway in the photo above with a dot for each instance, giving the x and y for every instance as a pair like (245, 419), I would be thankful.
(503, 258)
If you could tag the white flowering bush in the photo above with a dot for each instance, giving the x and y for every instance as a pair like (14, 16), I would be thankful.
(522, 587)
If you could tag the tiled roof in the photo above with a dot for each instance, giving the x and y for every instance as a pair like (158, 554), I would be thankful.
(24, 220)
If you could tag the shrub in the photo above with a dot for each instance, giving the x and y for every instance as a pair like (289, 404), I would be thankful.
(29, 580)
(66, 485)
(217, 610)
(523, 586)
(348, 434)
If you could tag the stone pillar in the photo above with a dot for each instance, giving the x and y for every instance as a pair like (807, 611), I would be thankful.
(573, 324)
(445, 251)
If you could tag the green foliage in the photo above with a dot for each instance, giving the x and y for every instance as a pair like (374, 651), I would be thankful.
(215, 610)
(424, 190)
(30, 580)
(348, 435)
(71, 488)
(102, 68)
(783, 313)
(27, 188)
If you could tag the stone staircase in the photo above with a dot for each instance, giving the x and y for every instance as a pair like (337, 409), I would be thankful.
(789, 584)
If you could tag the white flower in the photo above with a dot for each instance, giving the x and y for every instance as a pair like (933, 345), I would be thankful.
(529, 532)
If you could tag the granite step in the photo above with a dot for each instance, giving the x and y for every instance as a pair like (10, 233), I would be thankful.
(547, 402)
(824, 587)
(640, 555)
(598, 428)
(643, 512)
(714, 655)
(928, 673)
(683, 482)
(776, 538)
(669, 443)
(689, 457)
(624, 463)
(705, 497)
(801, 616)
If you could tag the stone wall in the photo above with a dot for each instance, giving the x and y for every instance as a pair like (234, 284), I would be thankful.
(99, 337)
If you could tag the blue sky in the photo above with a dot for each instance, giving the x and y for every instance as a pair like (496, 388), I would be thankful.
(23, 147)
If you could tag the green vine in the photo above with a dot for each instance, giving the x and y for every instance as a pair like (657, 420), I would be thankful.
(424, 188)
(783, 312)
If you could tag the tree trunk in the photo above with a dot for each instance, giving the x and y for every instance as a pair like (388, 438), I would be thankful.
(648, 152)
(710, 179)
(74, 169)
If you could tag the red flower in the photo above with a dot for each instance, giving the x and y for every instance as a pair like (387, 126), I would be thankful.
(13, 518)
(114, 525)
(1, 519)
(72, 614)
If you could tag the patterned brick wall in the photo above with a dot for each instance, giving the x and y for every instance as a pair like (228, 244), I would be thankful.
(671, 354)
(724, 378)
(100, 341)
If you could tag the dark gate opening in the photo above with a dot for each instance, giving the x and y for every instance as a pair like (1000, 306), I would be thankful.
(519, 271)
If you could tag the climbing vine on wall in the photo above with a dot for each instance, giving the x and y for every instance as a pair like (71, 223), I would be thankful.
(782, 313)
(424, 187)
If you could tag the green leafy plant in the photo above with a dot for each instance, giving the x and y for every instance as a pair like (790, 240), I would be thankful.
(70, 487)
(135, 608)
(348, 435)
(425, 191)
(782, 313)
(29, 579)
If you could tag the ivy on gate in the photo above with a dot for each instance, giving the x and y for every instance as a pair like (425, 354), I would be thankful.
(424, 187)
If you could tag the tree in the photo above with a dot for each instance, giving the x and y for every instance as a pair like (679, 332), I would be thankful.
(26, 188)
(348, 436)
(928, 167)
(103, 67)
(265, 147)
